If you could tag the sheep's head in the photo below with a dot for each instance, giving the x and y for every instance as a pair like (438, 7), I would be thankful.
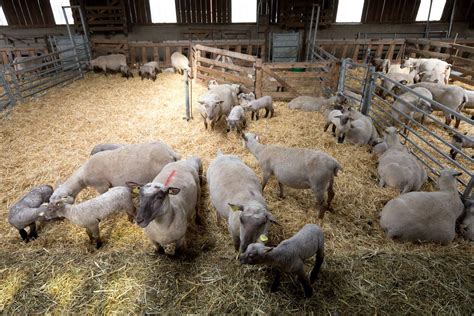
(211, 106)
(447, 179)
(255, 254)
(248, 138)
(211, 84)
(406, 62)
(232, 124)
(54, 210)
(61, 195)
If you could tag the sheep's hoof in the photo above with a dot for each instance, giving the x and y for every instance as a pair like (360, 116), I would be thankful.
(98, 244)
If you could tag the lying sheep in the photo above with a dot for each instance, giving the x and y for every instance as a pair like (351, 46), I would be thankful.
(236, 119)
(298, 168)
(467, 224)
(26, 211)
(216, 103)
(113, 62)
(425, 216)
(170, 203)
(236, 194)
(289, 256)
(461, 141)
(149, 70)
(400, 105)
(88, 214)
(104, 147)
(397, 167)
(138, 162)
(356, 128)
(256, 105)
(180, 63)
(379, 147)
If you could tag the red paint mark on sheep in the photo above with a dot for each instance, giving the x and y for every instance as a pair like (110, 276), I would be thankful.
(170, 177)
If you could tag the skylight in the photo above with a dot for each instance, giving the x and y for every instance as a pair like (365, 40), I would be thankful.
(436, 10)
(244, 11)
(163, 11)
(57, 7)
(349, 11)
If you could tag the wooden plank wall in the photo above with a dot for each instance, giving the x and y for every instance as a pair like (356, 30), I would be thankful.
(359, 49)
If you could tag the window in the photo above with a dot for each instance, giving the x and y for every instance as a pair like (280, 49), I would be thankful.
(244, 11)
(57, 7)
(163, 11)
(3, 18)
(349, 11)
(436, 10)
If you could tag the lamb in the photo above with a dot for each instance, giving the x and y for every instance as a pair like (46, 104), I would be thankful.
(104, 147)
(425, 216)
(236, 119)
(88, 214)
(113, 62)
(381, 65)
(356, 128)
(397, 167)
(245, 97)
(149, 70)
(451, 96)
(467, 224)
(170, 203)
(298, 168)
(461, 141)
(289, 256)
(332, 118)
(26, 211)
(138, 162)
(236, 194)
(400, 105)
(180, 63)
(256, 105)
(429, 65)
(216, 103)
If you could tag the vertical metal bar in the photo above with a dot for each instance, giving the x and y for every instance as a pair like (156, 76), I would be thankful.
(76, 57)
(427, 28)
(451, 19)
(186, 93)
(342, 75)
(86, 33)
(368, 90)
(315, 35)
(309, 35)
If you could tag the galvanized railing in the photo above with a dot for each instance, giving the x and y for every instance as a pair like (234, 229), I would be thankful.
(429, 143)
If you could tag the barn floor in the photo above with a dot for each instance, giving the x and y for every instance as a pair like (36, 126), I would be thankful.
(46, 139)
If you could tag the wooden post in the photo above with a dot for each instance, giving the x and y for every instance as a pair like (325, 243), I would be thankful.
(258, 78)
(167, 56)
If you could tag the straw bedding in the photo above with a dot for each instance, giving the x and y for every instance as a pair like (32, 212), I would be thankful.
(46, 139)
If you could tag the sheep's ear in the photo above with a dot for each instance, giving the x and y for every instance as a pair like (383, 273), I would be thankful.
(272, 219)
(173, 190)
(267, 249)
(236, 207)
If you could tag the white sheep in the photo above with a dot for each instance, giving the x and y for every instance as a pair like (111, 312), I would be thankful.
(356, 128)
(180, 63)
(401, 101)
(104, 147)
(149, 70)
(397, 167)
(236, 119)
(401, 78)
(26, 211)
(429, 65)
(298, 168)
(289, 256)
(256, 105)
(216, 104)
(112, 62)
(381, 65)
(425, 216)
(89, 213)
(138, 162)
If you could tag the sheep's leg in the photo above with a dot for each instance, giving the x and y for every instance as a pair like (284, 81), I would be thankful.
(244, 122)
(32, 234)
(447, 118)
(280, 186)
(453, 154)
(257, 115)
(276, 281)
(340, 138)
(326, 126)
(272, 112)
(266, 176)
(253, 113)
(218, 219)
(24, 235)
(331, 194)
(158, 249)
(93, 233)
(236, 240)
(457, 122)
(303, 279)
(267, 111)
(319, 195)
(333, 130)
(317, 266)
(205, 121)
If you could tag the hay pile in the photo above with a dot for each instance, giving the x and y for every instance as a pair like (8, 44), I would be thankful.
(48, 138)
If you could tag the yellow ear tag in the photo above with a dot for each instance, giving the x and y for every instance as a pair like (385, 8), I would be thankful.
(263, 238)
(136, 190)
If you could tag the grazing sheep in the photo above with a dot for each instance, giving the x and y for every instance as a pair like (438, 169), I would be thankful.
(467, 224)
(113, 62)
(216, 103)
(356, 128)
(236, 119)
(149, 70)
(104, 147)
(289, 256)
(256, 105)
(298, 168)
(425, 216)
(461, 141)
(26, 211)
(398, 168)
(429, 65)
(138, 162)
(401, 101)
(180, 63)
(170, 203)
(236, 194)
(88, 214)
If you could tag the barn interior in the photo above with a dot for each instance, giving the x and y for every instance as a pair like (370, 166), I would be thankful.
(53, 115)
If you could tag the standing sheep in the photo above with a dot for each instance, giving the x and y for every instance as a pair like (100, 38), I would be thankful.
(27, 210)
(180, 63)
(236, 119)
(298, 168)
(149, 70)
(425, 216)
(255, 106)
(88, 214)
(113, 62)
(400, 106)
(289, 256)
(138, 162)
(429, 65)
(216, 103)
(397, 167)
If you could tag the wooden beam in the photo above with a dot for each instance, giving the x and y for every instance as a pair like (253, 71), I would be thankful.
(280, 80)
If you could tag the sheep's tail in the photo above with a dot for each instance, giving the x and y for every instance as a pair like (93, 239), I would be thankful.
(337, 167)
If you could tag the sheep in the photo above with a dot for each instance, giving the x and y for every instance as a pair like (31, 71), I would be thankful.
(104, 147)
(467, 224)
(470, 99)
(460, 141)
(236, 119)
(426, 65)
(356, 128)
(425, 216)
(403, 79)
(180, 63)
(379, 147)
(149, 70)
(307, 103)
(169, 204)
(400, 105)
(397, 167)
(244, 98)
(212, 84)
(298, 168)
(396, 68)
(89, 213)
(215, 104)
(137, 162)
(113, 62)
(451, 96)
(381, 65)
(332, 118)
(26, 211)
(289, 256)
(256, 105)
(236, 194)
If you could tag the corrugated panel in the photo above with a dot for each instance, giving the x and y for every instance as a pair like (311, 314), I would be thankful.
(203, 11)
(28, 12)
(390, 11)
(285, 46)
